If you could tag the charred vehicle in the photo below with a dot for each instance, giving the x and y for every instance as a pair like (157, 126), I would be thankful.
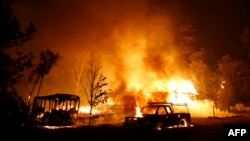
(160, 115)
(55, 110)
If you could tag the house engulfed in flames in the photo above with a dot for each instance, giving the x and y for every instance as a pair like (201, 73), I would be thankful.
(176, 92)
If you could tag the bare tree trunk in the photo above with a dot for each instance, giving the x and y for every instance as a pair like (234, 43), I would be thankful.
(90, 109)
(40, 85)
(90, 115)
(77, 75)
(214, 111)
(29, 98)
(32, 90)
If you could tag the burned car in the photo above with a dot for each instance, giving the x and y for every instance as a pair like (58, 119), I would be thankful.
(55, 110)
(160, 115)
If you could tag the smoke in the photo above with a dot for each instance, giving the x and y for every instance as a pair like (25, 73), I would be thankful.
(135, 40)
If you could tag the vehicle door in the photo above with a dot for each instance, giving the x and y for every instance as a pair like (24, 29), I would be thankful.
(162, 115)
(167, 118)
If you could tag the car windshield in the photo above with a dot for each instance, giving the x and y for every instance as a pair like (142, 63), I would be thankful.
(148, 110)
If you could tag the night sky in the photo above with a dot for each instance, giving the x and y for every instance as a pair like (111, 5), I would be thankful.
(220, 24)
(118, 30)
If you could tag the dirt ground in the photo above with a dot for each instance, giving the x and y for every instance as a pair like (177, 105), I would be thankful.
(204, 129)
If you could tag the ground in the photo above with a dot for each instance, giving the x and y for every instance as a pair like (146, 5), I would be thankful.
(205, 129)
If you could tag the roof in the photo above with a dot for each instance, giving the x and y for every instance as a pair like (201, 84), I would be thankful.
(164, 104)
(60, 96)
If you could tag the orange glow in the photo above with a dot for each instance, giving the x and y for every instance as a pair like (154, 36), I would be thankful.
(138, 112)
(181, 87)
(85, 110)
(56, 127)
(180, 91)
(175, 90)
(141, 49)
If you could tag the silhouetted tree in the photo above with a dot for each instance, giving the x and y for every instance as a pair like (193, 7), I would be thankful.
(230, 72)
(12, 65)
(47, 60)
(93, 84)
(204, 78)
(186, 33)
(243, 82)
(245, 39)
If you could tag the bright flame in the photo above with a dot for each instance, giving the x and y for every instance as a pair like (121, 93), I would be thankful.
(86, 109)
(138, 112)
(181, 87)
(179, 98)
(181, 91)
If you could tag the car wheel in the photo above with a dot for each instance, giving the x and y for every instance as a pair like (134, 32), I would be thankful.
(183, 123)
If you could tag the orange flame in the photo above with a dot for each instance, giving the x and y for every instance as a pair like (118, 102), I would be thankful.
(138, 112)
(181, 91)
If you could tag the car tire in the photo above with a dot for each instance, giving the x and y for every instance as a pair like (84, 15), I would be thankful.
(183, 123)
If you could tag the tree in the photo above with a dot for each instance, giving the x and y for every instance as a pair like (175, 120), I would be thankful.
(186, 33)
(186, 38)
(12, 65)
(241, 84)
(93, 83)
(202, 75)
(230, 72)
(245, 40)
(77, 76)
(11, 36)
(205, 79)
(47, 60)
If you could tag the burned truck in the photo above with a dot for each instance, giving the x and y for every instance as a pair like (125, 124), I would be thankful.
(55, 110)
(160, 115)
